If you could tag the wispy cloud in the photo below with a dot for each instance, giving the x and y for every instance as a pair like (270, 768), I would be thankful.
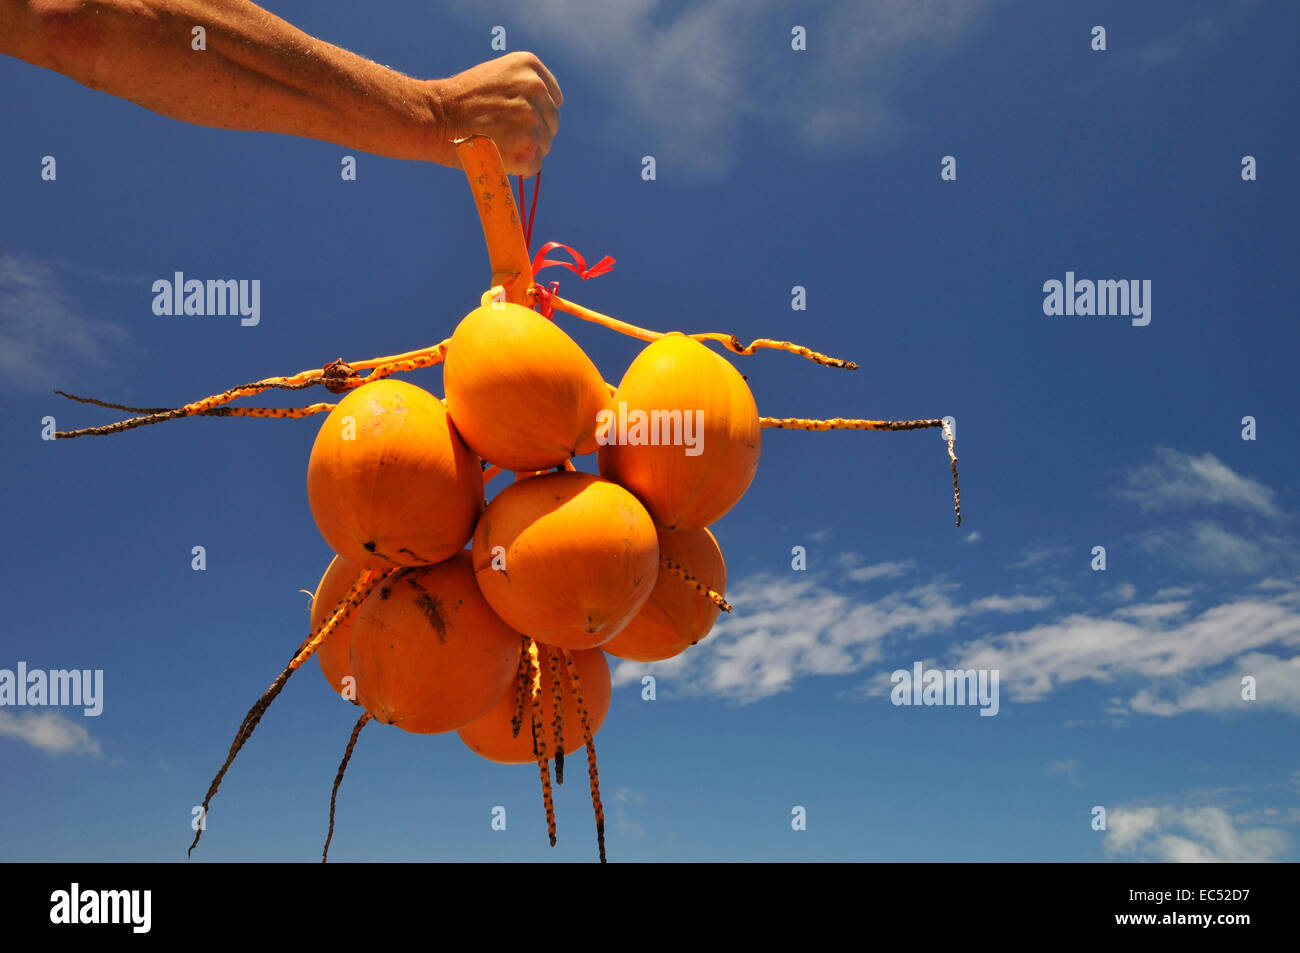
(1226, 523)
(1189, 835)
(1176, 479)
(1039, 555)
(625, 823)
(1152, 645)
(1124, 592)
(1068, 769)
(1209, 546)
(1165, 655)
(1171, 657)
(1192, 37)
(1277, 685)
(802, 626)
(1153, 610)
(703, 72)
(44, 337)
(50, 731)
(849, 562)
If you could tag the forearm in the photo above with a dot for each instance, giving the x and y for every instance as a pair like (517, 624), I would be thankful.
(257, 71)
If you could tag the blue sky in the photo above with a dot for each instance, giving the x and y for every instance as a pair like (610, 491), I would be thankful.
(775, 168)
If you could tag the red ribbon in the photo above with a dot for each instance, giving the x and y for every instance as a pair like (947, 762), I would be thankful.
(544, 298)
(580, 269)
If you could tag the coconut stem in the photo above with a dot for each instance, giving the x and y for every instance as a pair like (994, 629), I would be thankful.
(110, 406)
(337, 376)
(365, 583)
(571, 668)
(539, 739)
(729, 341)
(951, 439)
(489, 473)
(521, 690)
(338, 779)
(676, 569)
(842, 423)
(557, 719)
(283, 412)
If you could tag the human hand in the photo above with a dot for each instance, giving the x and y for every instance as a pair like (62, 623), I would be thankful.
(514, 100)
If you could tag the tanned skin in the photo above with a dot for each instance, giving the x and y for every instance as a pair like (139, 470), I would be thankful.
(263, 74)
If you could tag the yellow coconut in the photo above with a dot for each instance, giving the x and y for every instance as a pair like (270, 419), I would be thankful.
(428, 653)
(566, 558)
(333, 652)
(492, 736)
(390, 482)
(677, 615)
(523, 394)
(682, 433)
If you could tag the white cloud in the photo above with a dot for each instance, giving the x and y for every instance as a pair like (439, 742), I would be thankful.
(684, 82)
(1207, 546)
(1161, 657)
(1037, 661)
(888, 570)
(1189, 835)
(623, 820)
(50, 731)
(1177, 479)
(1036, 557)
(44, 338)
(1011, 604)
(784, 629)
(973, 537)
(1153, 610)
(1277, 685)
(1124, 592)
(1191, 38)
(1068, 769)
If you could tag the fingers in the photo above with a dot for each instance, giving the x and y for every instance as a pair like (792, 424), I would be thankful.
(525, 162)
(529, 169)
(549, 114)
(515, 100)
(552, 86)
(547, 108)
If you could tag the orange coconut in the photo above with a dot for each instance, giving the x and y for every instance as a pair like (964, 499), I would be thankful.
(568, 558)
(683, 433)
(676, 616)
(333, 652)
(521, 391)
(491, 737)
(390, 482)
(428, 653)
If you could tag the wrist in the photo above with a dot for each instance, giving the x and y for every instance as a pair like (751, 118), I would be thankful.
(436, 132)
